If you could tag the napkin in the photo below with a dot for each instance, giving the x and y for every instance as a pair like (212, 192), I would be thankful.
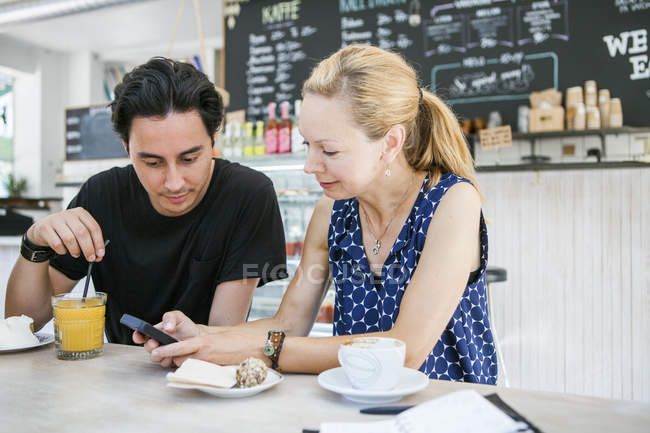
(197, 372)
(16, 331)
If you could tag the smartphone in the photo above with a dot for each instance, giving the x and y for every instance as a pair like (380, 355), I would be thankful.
(146, 329)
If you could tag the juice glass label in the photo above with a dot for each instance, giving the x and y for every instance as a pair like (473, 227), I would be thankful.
(79, 326)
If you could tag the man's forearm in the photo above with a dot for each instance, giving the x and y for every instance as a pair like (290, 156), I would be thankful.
(28, 292)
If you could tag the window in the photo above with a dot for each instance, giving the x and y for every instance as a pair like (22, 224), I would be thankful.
(6, 131)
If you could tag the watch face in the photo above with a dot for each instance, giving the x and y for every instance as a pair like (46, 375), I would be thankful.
(268, 349)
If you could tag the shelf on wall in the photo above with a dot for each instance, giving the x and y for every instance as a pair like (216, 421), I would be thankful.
(601, 132)
(549, 166)
(273, 162)
(533, 137)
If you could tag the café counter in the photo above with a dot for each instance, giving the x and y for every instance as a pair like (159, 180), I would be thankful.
(123, 391)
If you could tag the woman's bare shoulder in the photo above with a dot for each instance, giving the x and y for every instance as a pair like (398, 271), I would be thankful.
(317, 231)
(462, 196)
(324, 207)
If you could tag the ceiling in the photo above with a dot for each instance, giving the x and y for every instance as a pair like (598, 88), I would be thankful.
(128, 31)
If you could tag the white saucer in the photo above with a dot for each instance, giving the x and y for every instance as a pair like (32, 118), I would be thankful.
(43, 340)
(272, 379)
(411, 381)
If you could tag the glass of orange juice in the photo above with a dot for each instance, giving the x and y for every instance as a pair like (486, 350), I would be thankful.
(79, 325)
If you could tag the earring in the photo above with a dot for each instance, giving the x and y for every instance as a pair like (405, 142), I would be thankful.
(387, 172)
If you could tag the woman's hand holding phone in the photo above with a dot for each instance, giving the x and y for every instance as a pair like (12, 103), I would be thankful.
(175, 324)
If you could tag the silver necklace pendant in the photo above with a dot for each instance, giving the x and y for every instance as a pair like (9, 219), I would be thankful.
(375, 249)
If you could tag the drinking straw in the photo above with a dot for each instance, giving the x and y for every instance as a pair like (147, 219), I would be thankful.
(90, 268)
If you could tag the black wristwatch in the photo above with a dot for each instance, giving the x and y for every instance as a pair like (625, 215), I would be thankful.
(35, 253)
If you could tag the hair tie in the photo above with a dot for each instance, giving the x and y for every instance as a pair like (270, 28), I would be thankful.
(420, 92)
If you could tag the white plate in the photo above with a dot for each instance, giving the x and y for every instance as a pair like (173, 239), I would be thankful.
(272, 379)
(43, 340)
(411, 381)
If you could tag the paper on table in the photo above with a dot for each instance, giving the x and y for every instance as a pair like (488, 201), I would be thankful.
(197, 372)
(457, 412)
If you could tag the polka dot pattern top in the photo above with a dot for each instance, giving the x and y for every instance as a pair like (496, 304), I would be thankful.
(465, 351)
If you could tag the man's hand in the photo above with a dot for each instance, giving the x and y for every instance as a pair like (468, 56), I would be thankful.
(72, 230)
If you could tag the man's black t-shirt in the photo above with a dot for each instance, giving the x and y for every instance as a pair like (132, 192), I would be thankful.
(156, 263)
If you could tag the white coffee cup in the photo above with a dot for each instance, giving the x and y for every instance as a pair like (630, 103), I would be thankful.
(373, 363)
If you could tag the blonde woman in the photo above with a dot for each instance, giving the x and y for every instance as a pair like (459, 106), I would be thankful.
(399, 229)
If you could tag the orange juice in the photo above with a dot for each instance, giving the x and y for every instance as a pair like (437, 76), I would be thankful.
(79, 326)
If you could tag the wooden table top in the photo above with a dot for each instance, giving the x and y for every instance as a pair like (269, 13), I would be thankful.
(123, 391)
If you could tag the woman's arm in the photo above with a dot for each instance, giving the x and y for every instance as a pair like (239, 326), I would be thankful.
(306, 290)
(451, 252)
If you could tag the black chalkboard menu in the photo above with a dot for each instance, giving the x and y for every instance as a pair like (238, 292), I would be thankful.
(89, 134)
(478, 55)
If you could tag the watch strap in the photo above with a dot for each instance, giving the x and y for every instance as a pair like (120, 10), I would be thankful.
(273, 347)
(35, 253)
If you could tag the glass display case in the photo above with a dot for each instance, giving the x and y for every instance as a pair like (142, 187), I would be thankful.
(297, 194)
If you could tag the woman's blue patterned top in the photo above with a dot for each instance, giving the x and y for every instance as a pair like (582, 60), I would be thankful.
(465, 351)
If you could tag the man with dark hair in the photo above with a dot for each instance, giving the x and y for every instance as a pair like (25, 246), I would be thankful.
(187, 232)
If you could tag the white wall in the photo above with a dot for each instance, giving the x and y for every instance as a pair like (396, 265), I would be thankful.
(17, 56)
(85, 74)
(27, 133)
(46, 83)
(53, 86)
(21, 60)
(574, 314)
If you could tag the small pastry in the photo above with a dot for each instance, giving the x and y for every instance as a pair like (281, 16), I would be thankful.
(251, 372)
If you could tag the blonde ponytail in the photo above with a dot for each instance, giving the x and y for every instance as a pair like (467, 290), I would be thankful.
(383, 91)
(439, 145)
